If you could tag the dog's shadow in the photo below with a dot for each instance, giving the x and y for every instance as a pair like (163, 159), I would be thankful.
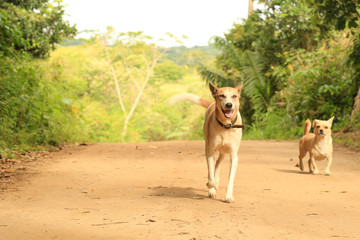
(179, 192)
(293, 171)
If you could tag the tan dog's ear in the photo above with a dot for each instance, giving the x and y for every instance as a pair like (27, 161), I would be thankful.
(331, 120)
(239, 87)
(213, 89)
(314, 123)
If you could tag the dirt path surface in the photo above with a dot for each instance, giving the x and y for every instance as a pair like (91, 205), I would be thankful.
(157, 191)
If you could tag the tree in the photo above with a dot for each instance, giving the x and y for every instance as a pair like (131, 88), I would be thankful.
(263, 50)
(34, 26)
(251, 7)
(133, 54)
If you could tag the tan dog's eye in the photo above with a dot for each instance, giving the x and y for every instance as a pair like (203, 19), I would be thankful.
(318, 126)
(326, 127)
(234, 96)
(222, 96)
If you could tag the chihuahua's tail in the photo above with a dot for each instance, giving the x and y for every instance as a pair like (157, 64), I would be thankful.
(190, 97)
(307, 127)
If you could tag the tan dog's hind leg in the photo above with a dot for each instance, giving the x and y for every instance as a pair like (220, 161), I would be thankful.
(313, 163)
(233, 166)
(211, 180)
(327, 170)
(217, 170)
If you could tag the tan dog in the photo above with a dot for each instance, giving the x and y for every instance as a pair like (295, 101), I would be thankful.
(222, 132)
(318, 144)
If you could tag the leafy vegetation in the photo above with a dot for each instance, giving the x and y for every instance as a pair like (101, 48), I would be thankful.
(35, 106)
(298, 60)
(87, 67)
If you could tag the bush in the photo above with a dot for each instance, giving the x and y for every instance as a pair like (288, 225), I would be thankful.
(169, 71)
(36, 107)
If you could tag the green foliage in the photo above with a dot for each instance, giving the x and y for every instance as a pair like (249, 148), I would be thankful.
(256, 86)
(34, 26)
(87, 71)
(340, 14)
(321, 86)
(169, 71)
(274, 124)
(36, 108)
(297, 59)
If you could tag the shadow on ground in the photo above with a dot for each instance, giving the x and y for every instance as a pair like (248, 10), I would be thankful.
(179, 192)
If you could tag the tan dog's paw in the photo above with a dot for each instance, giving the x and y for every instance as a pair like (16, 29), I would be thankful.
(212, 193)
(327, 173)
(315, 172)
(229, 199)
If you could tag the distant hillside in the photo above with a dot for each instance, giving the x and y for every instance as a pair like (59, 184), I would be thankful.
(194, 55)
(179, 55)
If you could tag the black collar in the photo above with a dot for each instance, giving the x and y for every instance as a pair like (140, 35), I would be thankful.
(231, 125)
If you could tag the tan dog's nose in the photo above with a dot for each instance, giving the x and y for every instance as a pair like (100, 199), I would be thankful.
(229, 105)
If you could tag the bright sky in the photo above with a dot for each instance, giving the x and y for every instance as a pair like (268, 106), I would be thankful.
(199, 20)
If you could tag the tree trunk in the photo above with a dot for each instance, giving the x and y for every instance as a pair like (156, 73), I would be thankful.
(148, 75)
(355, 113)
(117, 87)
(251, 7)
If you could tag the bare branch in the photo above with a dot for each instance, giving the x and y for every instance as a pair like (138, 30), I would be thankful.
(131, 75)
(115, 78)
(148, 75)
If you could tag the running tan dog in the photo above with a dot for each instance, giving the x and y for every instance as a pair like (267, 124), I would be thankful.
(222, 132)
(318, 144)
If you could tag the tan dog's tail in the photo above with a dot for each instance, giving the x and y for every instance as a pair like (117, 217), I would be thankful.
(307, 127)
(189, 97)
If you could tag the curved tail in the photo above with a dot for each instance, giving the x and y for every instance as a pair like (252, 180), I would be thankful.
(189, 97)
(307, 127)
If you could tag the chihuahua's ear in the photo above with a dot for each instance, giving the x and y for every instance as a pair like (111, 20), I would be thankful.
(331, 120)
(314, 123)
(213, 89)
(239, 87)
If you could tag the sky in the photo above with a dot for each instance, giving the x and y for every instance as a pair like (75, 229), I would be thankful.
(199, 20)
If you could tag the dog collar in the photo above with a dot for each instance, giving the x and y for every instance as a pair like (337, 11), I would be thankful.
(231, 125)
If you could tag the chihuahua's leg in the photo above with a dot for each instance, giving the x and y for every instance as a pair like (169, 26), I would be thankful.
(327, 170)
(230, 187)
(211, 180)
(217, 170)
(301, 156)
(310, 167)
(313, 163)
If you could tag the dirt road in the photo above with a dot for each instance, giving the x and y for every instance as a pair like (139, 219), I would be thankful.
(157, 191)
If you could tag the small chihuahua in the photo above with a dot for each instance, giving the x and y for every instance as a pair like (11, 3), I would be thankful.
(318, 144)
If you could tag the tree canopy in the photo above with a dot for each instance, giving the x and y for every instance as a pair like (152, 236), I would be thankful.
(33, 26)
(298, 59)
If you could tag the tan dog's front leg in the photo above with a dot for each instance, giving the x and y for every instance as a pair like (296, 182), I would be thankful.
(217, 170)
(211, 180)
(233, 166)
(327, 170)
